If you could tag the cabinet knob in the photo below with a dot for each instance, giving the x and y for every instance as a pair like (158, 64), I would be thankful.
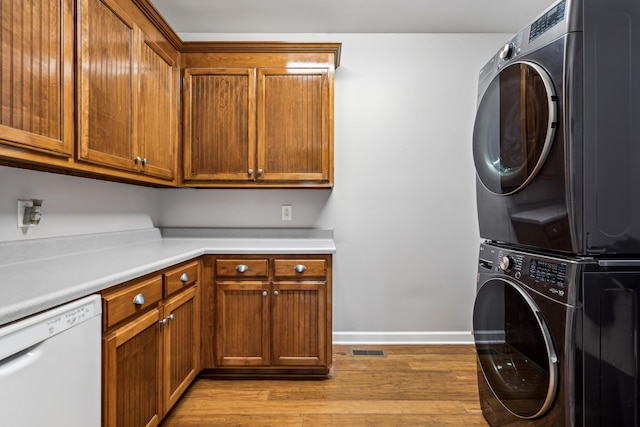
(241, 268)
(300, 268)
(138, 159)
(265, 293)
(184, 278)
(163, 322)
(250, 172)
(276, 293)
(171, 317)
(260, 171)
(144, 161)
(138, 299)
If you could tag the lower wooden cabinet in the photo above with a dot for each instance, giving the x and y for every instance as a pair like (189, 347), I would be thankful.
(249, 315)
(242, 324)
(181, 345)
(151, 345)
(299, 319)
(272, 315)
(132, 373)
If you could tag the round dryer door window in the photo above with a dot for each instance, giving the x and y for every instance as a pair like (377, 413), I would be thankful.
(514, 348)
(514, 128)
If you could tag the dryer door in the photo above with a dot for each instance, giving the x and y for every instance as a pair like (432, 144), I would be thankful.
(514, 128)
(514, 348)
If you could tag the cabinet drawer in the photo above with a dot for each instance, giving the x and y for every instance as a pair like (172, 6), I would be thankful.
(180, 278)
(300, 268)
(242, 268)
(120, 304)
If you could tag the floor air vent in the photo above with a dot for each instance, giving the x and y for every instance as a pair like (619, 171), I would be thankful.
(379, 353)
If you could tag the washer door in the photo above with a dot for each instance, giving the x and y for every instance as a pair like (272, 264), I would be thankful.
(514, 128)
(514, 348)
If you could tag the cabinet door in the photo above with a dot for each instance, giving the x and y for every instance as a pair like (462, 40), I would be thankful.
(132, 373)
(294, 125)
(299, 324)
(219, 124)
(106, 88)
(157, 111)
(242, 324)
(36, 76)
(181, 344)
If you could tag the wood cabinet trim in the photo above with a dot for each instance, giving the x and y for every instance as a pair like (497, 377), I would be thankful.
(333, 49)
(158, 21)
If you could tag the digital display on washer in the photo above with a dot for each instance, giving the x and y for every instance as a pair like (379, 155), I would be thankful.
(550, 272)
(553, 16)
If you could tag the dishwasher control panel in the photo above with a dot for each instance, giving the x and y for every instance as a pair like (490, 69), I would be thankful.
(70, 318)
(39, 327)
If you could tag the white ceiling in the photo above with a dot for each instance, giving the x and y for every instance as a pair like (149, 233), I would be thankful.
(349, 16)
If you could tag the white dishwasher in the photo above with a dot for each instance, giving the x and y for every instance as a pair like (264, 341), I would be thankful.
(50, 367)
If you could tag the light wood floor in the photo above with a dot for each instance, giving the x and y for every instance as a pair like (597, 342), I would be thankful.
(433, 385)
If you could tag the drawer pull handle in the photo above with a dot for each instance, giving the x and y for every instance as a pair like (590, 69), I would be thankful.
(241, 268)
(300, 268)
(138, 299)
(184, 278)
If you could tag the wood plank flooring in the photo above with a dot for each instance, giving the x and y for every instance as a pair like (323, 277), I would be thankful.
(421, 385)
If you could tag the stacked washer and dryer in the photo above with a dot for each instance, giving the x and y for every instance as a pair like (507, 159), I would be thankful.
(556, 147)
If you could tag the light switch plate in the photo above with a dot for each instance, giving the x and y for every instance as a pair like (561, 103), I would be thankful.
(287, 212)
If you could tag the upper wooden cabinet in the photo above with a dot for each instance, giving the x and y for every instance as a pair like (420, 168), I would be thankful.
(219, 124)
(294, 125)
(92, 88)
(260, 116)
(157, 112)
(126, 94)
(37, 75)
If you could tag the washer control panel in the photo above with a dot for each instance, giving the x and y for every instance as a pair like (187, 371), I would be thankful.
(546, 271)
(548, 275)
(548, 20)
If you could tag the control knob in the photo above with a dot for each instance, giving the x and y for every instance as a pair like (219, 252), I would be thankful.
(506, 51)
(506, 262)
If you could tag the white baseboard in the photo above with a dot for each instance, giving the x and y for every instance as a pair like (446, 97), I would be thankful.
(347, 338)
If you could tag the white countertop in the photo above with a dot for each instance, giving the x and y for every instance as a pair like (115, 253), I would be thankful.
(57, 271)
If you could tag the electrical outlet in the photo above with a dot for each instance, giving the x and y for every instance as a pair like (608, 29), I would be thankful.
(287, 212)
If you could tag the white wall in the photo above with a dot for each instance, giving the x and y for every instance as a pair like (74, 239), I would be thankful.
(73, 206)
(403, 207)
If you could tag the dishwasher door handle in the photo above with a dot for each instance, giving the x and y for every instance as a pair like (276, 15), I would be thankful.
(20, 360)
